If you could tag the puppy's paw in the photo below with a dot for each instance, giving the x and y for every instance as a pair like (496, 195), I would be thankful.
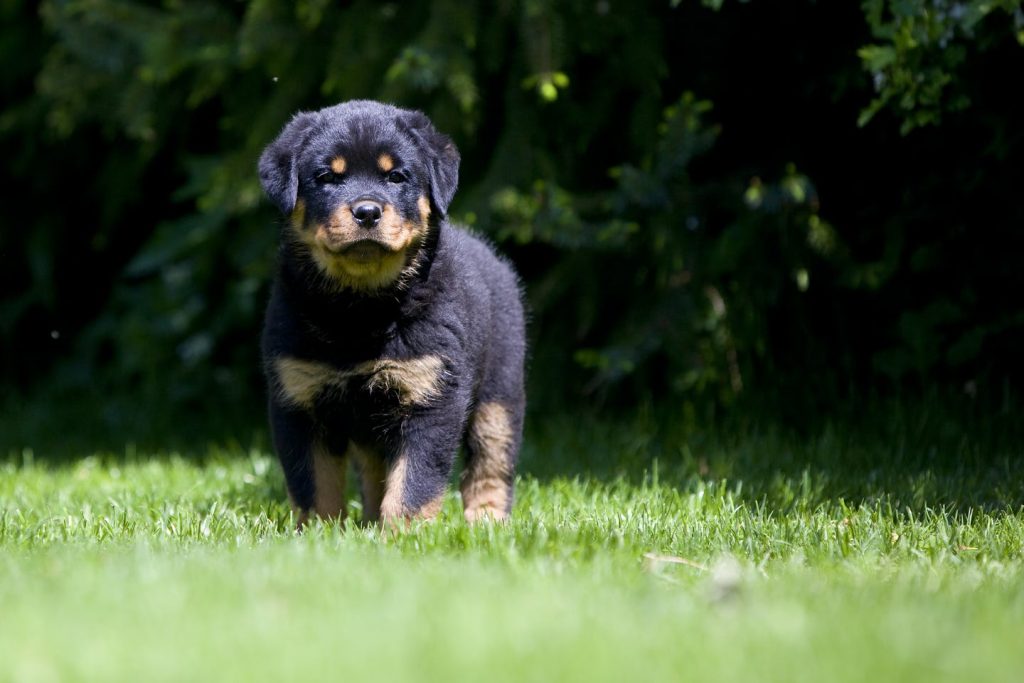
(485, 512)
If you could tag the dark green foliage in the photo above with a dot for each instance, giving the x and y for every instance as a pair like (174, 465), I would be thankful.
(683, 186)
(917, 65)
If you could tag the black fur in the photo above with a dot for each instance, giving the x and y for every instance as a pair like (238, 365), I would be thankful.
(454, 301)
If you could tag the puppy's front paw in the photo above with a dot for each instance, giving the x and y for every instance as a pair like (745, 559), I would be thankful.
(485, 512)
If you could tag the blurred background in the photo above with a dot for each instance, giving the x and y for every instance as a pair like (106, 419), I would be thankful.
(776, 208)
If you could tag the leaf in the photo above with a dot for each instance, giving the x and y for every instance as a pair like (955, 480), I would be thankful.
(877, 57)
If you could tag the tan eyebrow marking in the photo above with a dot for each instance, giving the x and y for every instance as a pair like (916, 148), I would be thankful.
(338, 164)
(385, 162)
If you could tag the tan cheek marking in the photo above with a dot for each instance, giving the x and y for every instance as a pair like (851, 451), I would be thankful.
(298, 219)
(340, 226)
(401, 234)
(417, 380)
(392, 227)
(423, 204)
(488, 476)
(308, 236)
(385, 163)
(338, 165)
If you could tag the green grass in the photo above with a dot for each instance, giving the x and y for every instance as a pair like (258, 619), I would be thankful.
(891, 551)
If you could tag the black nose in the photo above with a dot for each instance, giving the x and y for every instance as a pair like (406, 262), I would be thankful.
(367, 214)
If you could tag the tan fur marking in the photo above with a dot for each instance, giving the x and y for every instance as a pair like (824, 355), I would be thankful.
(488, 475)
(431, 509)
(329, 489)
(329, 483)
(372, 476)
(326, 242)
(392, 508)
(417, 380)
(298, 218)
(423, 204)
(385, 163)
(301, 380)
(338, 165)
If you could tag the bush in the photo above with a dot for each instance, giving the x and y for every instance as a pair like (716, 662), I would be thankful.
(672, 248)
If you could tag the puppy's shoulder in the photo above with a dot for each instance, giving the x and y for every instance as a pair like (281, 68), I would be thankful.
(480, 257)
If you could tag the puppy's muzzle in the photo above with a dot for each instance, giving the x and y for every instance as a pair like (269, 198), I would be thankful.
(365, 251)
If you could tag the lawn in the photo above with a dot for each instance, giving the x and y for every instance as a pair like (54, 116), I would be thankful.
(884, 550)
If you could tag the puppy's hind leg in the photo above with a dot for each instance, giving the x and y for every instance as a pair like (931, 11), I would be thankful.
(492, 445)
(496, 422)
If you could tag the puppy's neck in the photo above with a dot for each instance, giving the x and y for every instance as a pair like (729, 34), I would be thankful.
(321, 300)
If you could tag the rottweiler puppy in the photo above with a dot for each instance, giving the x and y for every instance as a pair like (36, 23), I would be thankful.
(391, 336)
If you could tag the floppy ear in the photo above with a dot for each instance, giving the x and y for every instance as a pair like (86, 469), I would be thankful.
(278, 174)
(441, 156)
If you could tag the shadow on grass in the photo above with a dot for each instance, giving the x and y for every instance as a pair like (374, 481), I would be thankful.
(914, 455)
(62, 428)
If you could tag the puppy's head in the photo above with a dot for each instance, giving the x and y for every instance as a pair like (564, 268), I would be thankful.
(362, 184)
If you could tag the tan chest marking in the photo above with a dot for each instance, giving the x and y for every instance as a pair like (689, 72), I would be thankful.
(416, 380)
(299, 381)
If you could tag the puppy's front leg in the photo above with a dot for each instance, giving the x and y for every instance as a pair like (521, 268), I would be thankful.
(314, 476)
(421, 464)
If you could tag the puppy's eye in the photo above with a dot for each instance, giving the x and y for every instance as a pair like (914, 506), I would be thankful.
(328, 177)
(396, 177)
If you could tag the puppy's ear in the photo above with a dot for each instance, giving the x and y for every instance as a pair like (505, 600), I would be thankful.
(440, 155)
(278, 174)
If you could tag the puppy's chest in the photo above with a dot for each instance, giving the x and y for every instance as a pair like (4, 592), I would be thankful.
(383, 385)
